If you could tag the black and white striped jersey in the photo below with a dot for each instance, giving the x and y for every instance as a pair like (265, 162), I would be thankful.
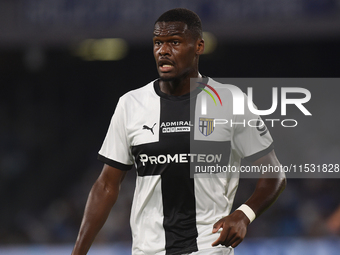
(171, 141)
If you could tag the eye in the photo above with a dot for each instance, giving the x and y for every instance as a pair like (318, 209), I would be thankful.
(175, 42)
(157, 43)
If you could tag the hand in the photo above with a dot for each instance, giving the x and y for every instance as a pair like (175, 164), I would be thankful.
(234, 229)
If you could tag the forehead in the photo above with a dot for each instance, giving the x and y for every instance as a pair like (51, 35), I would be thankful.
(170, 28)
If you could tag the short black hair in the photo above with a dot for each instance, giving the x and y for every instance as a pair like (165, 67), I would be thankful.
(191, 19)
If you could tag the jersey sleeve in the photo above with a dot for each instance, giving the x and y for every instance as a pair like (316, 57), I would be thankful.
(251, 139)
(115, 150)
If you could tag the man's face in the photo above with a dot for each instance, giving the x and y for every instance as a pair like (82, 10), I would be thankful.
(174, 49)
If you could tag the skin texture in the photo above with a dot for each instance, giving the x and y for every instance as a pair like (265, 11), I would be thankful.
(176, 53)
(173, 44)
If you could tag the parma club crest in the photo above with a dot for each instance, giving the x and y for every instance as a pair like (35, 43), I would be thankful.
(206, 126)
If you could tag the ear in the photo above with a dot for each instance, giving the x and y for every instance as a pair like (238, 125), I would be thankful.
(200, 46)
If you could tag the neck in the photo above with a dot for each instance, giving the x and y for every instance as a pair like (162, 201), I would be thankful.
(179, 86)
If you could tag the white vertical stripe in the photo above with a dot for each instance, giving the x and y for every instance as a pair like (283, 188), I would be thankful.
(147, 216)
(143, 110)
(212, 204)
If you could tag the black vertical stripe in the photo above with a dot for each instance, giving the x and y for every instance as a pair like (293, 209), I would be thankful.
(178, 193)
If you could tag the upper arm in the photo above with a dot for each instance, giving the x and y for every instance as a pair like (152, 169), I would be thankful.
(111, 177)
(268, 159)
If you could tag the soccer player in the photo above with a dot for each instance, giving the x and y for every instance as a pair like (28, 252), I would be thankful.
(159, 129)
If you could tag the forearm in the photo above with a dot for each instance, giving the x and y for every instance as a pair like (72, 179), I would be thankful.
(98, 206)
(268, 188)
(266, 192)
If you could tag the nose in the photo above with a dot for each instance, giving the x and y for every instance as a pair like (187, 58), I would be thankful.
(164, 50)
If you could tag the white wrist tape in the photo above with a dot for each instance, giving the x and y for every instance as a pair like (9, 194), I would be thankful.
(248, 212)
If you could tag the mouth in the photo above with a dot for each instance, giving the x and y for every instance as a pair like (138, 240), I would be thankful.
(165, 66)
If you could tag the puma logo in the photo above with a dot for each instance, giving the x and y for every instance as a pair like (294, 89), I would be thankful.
(148, 128)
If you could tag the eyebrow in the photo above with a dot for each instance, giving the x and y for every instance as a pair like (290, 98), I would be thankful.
(171, 34)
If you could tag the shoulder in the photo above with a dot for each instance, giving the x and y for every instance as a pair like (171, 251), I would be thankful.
(140, 94)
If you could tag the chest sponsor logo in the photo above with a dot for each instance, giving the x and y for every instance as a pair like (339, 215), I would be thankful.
(180, 158)
(175, 126)
(206, 126)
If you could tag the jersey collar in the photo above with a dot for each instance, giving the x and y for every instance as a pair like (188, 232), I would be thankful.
(189, 95)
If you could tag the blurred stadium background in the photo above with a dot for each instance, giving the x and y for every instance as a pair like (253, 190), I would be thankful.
(63, 65)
